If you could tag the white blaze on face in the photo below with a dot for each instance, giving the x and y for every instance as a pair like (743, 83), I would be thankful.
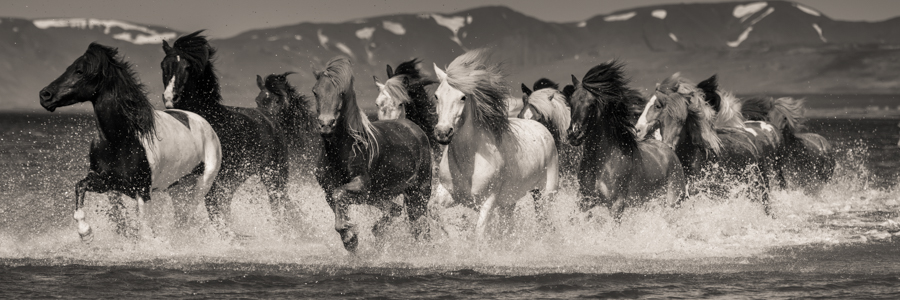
(657, 135)
(168, 94)
(642, 121)
(528, 114)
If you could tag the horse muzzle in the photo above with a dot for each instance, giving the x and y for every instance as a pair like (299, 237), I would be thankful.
(326, 125)
(47, 100)
(443, 134)
(575, 137)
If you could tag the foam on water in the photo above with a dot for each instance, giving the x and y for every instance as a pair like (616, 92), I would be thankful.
(700, 236)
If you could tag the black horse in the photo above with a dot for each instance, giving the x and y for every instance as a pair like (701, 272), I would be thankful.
(710, 156)
(403, 95)
(368, 163)
(139, 149)
(294, 113)
(616, 168)
(251, 143)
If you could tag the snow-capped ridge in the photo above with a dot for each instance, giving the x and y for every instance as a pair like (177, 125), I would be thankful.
(808, 10)
(620, 17)
(743, 11)
(145, 35)
(659, 14)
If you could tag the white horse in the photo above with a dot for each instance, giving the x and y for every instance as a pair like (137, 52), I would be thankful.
(492, 160)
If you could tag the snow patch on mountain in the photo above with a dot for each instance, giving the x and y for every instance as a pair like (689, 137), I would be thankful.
(395, 28)
(468, 19)
(768, 12)
(582, 23)
(620, 17)
(323, 39)
(298, 37)
(741, 38)
(808, 10)
(452, 23)
(365, 33)
(272, 38)
(673, 37)
(144, 35)
(659, 14)
(744, 11)
(345, 49)
(819, 30)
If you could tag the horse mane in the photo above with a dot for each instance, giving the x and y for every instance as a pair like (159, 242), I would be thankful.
(407, 85)
(756, 108)
(298, 104)
(120, 88)
(196, 50)
(339, 73)
(473, 74)
(544, 83)
(700, 114)
(784, 113)
(551, 102)
(609, 86)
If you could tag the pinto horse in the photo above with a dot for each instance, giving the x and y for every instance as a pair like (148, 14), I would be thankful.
(617, 169)
(251, 143)
(294, 114)
(679, 109)
(491, 160)
(139, 149)
(548, 106)
(368, 162)
(808, 158)
(403, 96)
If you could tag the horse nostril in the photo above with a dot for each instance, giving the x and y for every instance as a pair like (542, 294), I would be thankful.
(46, 95)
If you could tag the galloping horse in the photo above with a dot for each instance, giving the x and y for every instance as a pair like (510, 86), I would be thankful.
(548, 106)
(368, 163)
(808, 158)
(403, 96)
(775, 123)
(617, 169)
(686, 122)
(490, 160)
(251, 143)
(294, 114)
(139, 149)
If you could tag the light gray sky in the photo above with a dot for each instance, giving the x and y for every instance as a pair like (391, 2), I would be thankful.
(225, 18)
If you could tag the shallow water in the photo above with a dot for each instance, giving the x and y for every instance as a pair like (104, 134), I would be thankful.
(837, 244)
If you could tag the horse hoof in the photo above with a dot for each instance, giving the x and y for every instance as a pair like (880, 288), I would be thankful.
(86, 236)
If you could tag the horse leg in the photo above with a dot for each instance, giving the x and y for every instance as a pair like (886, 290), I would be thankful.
(340, 203)
(183, 198)
(143, 228)
(116, 212)
(218, 201)
(416, 201)
(542, 199)
(389, 210)
(484, 215)
(93, 183)
(676, 188)
(275, 177)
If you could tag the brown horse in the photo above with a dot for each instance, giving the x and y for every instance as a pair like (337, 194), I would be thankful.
(367, 162)
(295, 114)
(616, 168)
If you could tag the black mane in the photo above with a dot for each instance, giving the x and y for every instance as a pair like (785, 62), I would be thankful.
(196, 50)
(710, 87)
(607, 83)
(756, 108)
(544, 83)
(296, 111)
(119, 88)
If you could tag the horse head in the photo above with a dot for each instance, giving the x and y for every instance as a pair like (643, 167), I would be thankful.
(184, 63)
(392, 98)
(81, 80)
(333, 87)
(274, 94)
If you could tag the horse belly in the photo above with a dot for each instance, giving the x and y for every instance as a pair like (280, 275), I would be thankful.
(174, 154)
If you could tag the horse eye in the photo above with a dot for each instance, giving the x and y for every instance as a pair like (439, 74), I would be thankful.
(463, 98)
(78, 72)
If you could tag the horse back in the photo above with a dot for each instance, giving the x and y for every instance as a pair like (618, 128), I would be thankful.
(766, 138)
(527, 147)
(657, 161)
(738, 148)
(180, 143)
(403, 155)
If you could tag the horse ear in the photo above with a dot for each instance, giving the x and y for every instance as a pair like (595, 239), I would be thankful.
(166, 47)
(390, 72)
(379, 84)
(259, 83)
(439, 73)
(526, 90)
(574, 80)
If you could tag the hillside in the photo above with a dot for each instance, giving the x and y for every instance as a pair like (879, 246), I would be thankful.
(755, 47)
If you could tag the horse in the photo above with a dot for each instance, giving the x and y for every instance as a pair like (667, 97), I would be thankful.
(491, 160)
(403, 96)
(547, 105)
(138, 149)
(686, 120)
(367, 162)
(251, 143)
(808, 158)
(775, 123)
(617, 168)
(294, 114)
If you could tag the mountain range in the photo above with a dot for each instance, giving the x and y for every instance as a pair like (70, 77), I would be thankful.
(755, 47)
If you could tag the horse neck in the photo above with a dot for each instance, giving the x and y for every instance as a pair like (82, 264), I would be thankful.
(419, 112)
(202, 94)
(469, 137)
(110, 120)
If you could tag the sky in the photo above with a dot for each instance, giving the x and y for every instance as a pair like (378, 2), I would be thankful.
(226, 18)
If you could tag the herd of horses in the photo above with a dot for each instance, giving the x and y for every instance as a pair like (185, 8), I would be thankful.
(487, 148)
